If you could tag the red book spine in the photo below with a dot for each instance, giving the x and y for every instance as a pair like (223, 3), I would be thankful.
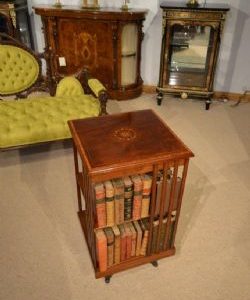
(137, 206)
(101, 247)
(100, 205)
(123, 242)
(137, 199)
(128, 241)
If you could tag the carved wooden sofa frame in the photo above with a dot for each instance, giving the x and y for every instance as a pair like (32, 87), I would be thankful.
(30, 119)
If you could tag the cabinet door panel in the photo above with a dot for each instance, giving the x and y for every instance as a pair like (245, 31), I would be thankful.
(129, 55)
(190, 49)
(83, 44)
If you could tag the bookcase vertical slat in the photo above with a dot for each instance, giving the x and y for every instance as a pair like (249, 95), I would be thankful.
(89, 217)
(171, 203)
(78, 189)
(152, 208)
(91, 220)
(162, 202)
(87, 209)
(184, 176)
(87, 206)
(84, 182)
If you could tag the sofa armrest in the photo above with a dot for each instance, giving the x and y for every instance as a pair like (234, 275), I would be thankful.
(99, 90)
(90, 86)
(96, 86)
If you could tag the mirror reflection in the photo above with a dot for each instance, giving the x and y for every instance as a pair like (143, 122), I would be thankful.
(190, 50)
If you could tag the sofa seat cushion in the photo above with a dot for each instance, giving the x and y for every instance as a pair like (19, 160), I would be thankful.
(35, 120)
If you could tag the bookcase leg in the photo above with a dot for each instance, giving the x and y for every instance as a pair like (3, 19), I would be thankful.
(154, 263)
(159, 98)
(107, 279)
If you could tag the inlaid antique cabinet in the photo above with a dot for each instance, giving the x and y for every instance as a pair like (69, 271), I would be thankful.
(106, 41)
(191, 39)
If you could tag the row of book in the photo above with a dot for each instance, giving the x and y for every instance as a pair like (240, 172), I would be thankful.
(121, 242)
(128, 198)
(122, 199)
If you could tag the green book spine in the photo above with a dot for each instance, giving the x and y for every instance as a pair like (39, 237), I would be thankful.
(110, 204)
(128, 198)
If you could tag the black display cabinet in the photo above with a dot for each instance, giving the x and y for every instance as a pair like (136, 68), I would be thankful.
(15, 21)
(191, 38)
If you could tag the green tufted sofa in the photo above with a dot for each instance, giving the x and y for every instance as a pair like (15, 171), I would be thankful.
(30, 120)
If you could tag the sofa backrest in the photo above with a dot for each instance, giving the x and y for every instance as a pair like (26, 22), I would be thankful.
(20, 68)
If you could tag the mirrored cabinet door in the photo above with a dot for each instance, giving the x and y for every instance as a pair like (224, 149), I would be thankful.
(189, 58)
(23, 26)
(15, 21)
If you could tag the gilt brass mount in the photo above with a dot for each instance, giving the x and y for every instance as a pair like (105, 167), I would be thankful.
(94, 5)
(58, 4)
(125, 5)
(192, 3)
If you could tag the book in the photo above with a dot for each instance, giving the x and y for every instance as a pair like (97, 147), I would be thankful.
(128, 240)
(154, 235)
(100, 204)
(138, 237)
(117, 244)
(110, 245)
(119, 200)
(110, 205)
(163, 234)
(133, 238)
(171, 231)
(146, 191)
(128, 198)
(123, 242)
(101, 249)
(145, 229)
(137, 196)
(167, 199)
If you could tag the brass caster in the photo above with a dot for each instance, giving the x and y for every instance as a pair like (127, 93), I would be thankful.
(184, 96)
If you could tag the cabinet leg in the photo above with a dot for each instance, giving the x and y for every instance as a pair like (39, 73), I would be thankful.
(107, 279)
(208, 102)
(159, 98)
(154, 263)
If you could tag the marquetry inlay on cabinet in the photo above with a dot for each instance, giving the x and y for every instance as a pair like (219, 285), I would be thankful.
(106, 41)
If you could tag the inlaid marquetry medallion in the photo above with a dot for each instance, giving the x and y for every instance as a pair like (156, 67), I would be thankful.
(125, 134)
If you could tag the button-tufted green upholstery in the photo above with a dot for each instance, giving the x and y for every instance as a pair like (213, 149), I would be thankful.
(18, 69)
(69, 86)
(96, 86)
(40, 119)
(43, 119)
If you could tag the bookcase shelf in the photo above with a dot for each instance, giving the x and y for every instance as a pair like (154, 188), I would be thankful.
(135, 143)
(127, 264)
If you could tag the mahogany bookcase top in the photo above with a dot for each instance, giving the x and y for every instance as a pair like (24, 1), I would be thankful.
(125, 142)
